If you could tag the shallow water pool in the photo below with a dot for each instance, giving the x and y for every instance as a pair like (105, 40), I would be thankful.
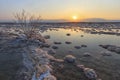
(107, 67)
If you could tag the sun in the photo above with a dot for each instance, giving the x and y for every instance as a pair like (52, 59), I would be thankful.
(74, 17)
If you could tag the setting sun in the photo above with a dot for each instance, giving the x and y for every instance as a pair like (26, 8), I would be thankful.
(75, 17)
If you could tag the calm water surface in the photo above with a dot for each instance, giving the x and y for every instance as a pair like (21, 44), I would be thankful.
(107, 67)
(91, 40)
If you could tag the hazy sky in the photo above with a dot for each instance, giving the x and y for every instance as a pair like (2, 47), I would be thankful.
(62, 9)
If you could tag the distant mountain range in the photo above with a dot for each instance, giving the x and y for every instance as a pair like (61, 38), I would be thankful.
(83, 20)
(98, 20)
(63, 20)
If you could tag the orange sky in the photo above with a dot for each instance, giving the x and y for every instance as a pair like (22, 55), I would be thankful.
(62, 9)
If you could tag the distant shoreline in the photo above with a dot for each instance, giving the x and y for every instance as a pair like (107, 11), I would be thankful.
(11, 23)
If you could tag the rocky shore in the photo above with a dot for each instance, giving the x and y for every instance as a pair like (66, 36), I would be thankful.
(22, 58)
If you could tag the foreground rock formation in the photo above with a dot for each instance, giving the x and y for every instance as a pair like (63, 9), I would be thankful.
(112, 48)
(21, 56)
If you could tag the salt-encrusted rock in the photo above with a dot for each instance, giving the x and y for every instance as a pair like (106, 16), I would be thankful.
(42, 69)
(87, 54)
(50, 57)
(90, 73)
(59, 60)
(22, 36)
(106, 53)
(104, 46)
(34, 42)
(46, 45)
(117, 49)
(50, 77)
(12, 32)
(70, 59)
(24, 60)
(42, 76)
(51, 51)
(34, 35)
(43, 54)
(111, 48)
(54, 47)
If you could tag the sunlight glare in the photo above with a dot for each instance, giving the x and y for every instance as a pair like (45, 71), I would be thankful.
(74, 17)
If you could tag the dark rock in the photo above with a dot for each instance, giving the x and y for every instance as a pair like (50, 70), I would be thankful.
(67, 42)
(104, 46)
(68, 34)
(54, 47)
(111, 48)
(77, 47)
(83, 45)
(82, 35)
(57, 43)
